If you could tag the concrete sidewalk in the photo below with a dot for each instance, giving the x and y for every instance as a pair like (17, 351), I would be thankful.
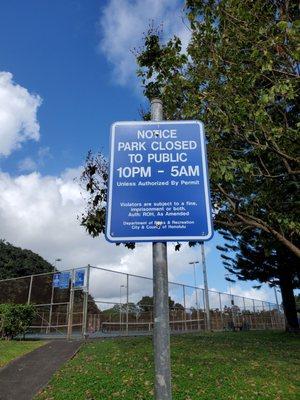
(24, 377)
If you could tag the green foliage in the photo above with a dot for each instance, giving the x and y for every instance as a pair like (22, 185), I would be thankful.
(240, 75)
(219, 366)
(146, 303)
(15, 262)
(254, 255)
(15, 319)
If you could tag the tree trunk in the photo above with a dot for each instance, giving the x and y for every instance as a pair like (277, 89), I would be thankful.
(288, 302)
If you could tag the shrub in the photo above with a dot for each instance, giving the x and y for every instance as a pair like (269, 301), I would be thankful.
(15, 319)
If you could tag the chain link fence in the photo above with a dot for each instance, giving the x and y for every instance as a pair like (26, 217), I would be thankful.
(111, 303)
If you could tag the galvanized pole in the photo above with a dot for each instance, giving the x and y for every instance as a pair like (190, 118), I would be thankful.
(195, 283)
(161, 333)
(276, 297)
(51, 305)
(86, 301)
(30, 289)
(71, 307)
(221, 310)
(120, 307)
(184, 306)
(52, 295)
(253, 305)
(205, 287)
(127, 300)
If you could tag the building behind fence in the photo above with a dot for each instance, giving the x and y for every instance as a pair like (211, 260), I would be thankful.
(113, 303)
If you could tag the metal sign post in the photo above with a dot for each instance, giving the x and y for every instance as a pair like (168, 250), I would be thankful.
(158, 192)
(161, 334)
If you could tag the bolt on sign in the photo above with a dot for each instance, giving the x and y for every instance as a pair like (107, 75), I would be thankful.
(158, 183)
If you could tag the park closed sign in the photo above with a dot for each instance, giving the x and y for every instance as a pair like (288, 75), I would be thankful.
(158, 182)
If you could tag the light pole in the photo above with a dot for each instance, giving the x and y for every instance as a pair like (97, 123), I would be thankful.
(121, 286)
(227, 277)
(52, 293)
(195, 283)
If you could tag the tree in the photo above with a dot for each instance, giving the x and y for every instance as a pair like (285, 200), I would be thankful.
(146, 303)
(255, 257)
(15, 262)
(240, 75)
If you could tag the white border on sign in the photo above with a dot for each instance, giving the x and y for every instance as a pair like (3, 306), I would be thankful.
(115, 239)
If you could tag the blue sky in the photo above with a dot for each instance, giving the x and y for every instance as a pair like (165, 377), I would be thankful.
(70, 63)
(52, 49)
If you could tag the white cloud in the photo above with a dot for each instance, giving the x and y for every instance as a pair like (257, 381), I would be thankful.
(18, 115)
(259, 294)
(27, 164)
(43, 154)
(122, 26)
(40, 213)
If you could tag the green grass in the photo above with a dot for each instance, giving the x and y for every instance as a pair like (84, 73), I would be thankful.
(218, 366)
(12, 349)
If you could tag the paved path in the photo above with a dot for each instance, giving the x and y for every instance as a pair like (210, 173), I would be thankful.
(22, 378)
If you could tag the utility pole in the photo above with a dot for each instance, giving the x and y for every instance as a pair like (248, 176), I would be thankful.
(161, 333)
(205, 286)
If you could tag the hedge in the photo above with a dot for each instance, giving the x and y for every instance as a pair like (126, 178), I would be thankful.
(15, 319)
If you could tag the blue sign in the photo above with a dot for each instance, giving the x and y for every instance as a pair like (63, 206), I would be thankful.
(61, 280)
(64, 279)
(158, 183)
(56, 280)
(79, 278)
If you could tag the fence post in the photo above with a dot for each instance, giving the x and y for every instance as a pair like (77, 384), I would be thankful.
(51, 306)
(71, 306)
(205, 287)
(198, 314)
(204, 310)
(184, 305)
(127, 300)
(30, 289)
(221, 311)
(85, 301)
